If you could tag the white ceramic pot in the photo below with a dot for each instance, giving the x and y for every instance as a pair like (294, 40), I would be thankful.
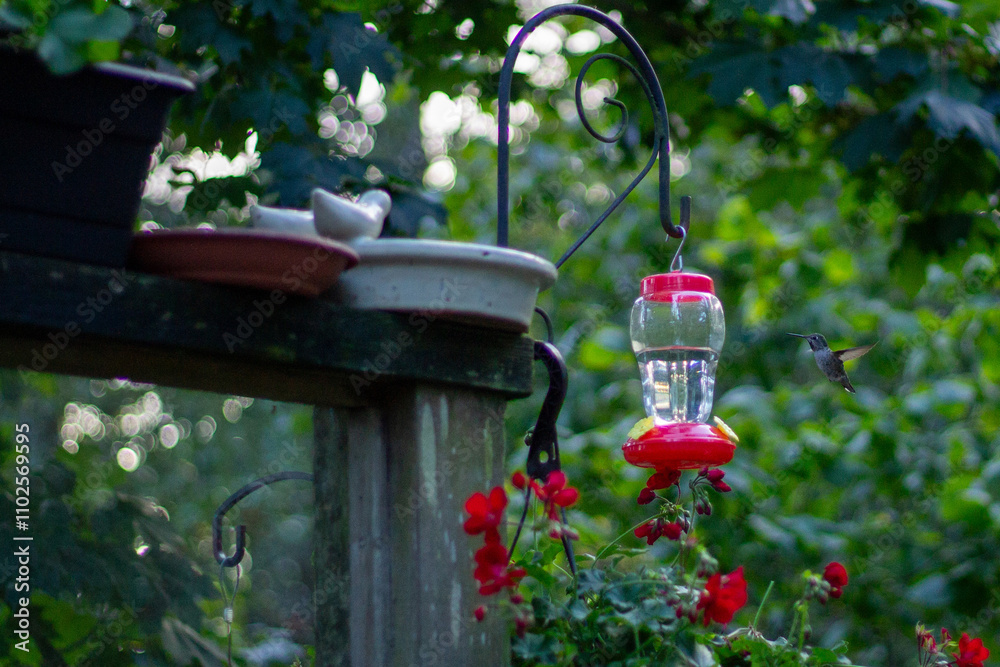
(469, 282)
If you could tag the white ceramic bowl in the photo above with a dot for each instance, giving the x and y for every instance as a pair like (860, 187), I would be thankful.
(473, 283)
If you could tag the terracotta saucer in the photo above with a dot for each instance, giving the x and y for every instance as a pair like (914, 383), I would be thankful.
(244, 257)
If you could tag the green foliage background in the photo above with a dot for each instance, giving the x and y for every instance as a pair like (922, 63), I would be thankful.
(842, 157)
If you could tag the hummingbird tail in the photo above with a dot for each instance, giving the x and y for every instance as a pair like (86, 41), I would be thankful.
(848, 386)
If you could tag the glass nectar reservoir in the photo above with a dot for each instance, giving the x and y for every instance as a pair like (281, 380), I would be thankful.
(677, 331)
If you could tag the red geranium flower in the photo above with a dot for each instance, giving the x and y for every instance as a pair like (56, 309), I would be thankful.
(971, 652)
(663, 479)
(835, 574)
(723, 596)
(654, 529)
(493, 570)
(646, 496)
(555, 493)
(485, 514)
(650, 530)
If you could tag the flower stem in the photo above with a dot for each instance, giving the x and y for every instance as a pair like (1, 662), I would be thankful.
(600, 554)
(761, 606)
(803, 609)
(520, 524)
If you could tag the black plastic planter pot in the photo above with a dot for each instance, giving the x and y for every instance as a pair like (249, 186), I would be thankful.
(74, 154)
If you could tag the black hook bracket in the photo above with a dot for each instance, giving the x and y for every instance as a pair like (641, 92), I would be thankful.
(644, 74)
(241, 530)
(543, 444)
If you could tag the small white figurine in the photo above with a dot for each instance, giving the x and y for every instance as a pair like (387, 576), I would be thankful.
(288, 220)
(346, 220)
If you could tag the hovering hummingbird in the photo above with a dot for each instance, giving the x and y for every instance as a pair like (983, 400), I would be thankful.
(831, 362)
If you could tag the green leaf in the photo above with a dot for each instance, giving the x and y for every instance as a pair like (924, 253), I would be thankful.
(103, 50)
(540, 649)
(949, 9)
(949, 116)
(802, 64)
(199, 26)
(735, 67)
(796, 11)
(18, 15)
(793, 185)
(208, 194)
(877, 135)
(283, 11)
(353, 49)
(894, 60)
(78, 26)
(540, 573)
(410, 208)
(271, 112)
(61, 57)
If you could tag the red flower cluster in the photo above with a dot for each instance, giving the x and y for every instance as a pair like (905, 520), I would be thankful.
(485, 514)
(492, 561)
(724, 594)
(493, 571)
(925, 639)
(554, 494)
(835, 574)
(971, 652)
(654, 529)
(714, 477)
(661, 479)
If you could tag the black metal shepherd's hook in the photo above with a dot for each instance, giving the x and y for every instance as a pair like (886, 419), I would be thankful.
(241, 530)
(542, 441)
(651, 86)
(543, 444)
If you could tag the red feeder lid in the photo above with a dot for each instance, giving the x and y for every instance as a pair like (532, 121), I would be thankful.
(676, 281)
(680, 447)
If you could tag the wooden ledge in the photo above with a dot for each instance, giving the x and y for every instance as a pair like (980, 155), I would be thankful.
(62, 317)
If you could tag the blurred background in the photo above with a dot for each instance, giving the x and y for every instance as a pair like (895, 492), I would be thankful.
(842, 159)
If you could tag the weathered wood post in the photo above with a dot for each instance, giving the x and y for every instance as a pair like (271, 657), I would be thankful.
(394, 567)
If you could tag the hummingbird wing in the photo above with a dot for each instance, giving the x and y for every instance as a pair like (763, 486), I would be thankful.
(853, 352)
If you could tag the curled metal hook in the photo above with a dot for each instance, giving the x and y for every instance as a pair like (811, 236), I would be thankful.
(677, 263)
(241, 530)
(543, 445)
(549, 331)
(651, 87)
(581, 112)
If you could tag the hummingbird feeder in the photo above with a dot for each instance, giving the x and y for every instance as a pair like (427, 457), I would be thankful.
(677, 331)
(677, 328)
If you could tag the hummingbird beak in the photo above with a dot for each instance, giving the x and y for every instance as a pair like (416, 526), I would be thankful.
(798, 335)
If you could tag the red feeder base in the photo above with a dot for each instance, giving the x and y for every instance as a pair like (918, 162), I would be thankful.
(679, 447)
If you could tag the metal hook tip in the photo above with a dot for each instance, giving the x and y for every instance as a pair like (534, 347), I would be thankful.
(678, 260)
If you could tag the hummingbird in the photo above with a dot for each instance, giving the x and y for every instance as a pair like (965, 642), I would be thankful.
(831, 362)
